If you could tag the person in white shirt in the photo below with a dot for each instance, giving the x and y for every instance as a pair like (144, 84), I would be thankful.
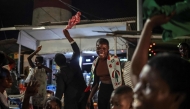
(38, 72)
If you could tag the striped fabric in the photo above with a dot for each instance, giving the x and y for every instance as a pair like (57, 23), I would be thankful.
(127, 74)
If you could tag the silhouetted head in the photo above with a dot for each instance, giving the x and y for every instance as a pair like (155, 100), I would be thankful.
(53, 103)
(184, 50)
(122, 98)
(163, 84)
(39, 60)
(60, 59)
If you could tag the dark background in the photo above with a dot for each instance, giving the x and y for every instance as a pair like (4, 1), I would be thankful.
(19, 12)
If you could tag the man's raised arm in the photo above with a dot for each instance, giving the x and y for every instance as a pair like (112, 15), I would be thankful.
(76, 50)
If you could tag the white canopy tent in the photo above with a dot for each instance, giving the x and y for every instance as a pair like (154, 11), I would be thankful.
(53, 40)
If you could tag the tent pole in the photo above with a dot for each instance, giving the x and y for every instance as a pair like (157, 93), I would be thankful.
(80, 58)
(19, 52)
(139, 15)
(115, 47)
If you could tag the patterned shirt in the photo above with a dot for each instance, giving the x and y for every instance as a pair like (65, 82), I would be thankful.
(40, 76)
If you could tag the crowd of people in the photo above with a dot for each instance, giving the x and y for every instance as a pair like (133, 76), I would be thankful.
(159, 83)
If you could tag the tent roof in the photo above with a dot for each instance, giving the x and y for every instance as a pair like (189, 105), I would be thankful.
(91, 21)
(54, 32)
(86, 33)
(10, 46)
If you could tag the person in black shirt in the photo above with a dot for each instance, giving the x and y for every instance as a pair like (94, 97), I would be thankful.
(70, 80)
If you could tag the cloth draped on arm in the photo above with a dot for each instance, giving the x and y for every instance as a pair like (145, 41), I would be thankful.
(179, 25)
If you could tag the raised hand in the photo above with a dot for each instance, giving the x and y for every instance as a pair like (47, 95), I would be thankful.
(39, 48)
(32, 88)
(73, 21)
(160, 19)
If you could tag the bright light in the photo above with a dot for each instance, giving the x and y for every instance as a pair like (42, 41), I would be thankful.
(150, 54)
(88, 60)
(80, 62)
(154, 53)
(89, 51)
(122, 50)
(149, 49)
(123, 59)
(154, 43)
(150, 45)
(39, 28)
(87, 64)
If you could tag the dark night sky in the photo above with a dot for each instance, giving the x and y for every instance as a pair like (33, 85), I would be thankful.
(19, 12)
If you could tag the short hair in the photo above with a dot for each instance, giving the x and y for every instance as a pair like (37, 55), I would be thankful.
(102, 41)
(175, 71)
(40, 58)
(184, 44)
(123, 90)
(60, 59)
(53, 98)
(3, 73)
(2, 58)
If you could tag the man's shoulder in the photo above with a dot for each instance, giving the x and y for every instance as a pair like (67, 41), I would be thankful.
(65, 69)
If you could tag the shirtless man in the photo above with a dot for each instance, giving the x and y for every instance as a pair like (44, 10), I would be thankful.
(107, 72)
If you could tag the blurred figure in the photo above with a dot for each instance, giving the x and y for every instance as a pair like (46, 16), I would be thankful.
(184, 51)
(122, 98)
(163, 81)
(31, 90)
(14, 89)
(53, 103)
(5, 82)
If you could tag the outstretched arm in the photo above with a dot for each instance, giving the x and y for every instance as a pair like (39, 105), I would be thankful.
(93, 91)
(76, 50)
(140, 56)
(32, 55)
(31, 90)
